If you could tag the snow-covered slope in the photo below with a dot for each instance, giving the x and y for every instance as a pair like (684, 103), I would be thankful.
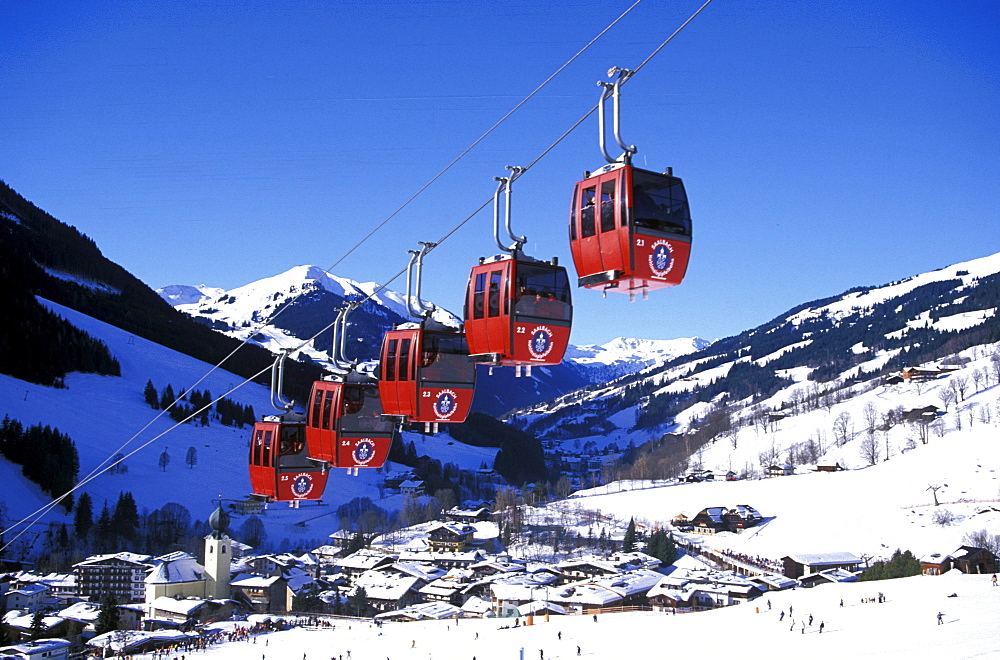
(106, 415)
(858, 336)
(904, 626)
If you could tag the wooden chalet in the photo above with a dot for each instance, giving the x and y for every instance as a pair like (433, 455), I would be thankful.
(778, 471)
(450, 537)
(713, 520)
(795, 566)
(935, 564)
(974, 560)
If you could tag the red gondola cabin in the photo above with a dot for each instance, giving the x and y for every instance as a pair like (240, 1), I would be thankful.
(280, 469)
(518, 312)
(630, 230)
(426, 375)
(345, 427)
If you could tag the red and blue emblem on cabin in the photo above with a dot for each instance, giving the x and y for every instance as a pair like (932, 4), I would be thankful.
(661, 258)
(364, 451)
(446, 404)
(302, 485)
(540, 342)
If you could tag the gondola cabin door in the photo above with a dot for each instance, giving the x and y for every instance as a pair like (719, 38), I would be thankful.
(280, 469)
(630, 230)
(345, 427)
(518, 312)
(426, 375)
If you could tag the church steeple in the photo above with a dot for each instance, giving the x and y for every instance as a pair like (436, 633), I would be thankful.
(218, 555)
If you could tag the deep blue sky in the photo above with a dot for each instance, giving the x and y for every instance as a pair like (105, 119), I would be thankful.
(823, 145)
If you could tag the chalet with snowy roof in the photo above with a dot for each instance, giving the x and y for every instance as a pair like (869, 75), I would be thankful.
(783, 470)
(261, 594)
(387, 591)
(450, 537)
(468, 516)
(447, 590)
(508, 592)
(435, 611)
(17, 625)
(444, 558)
(920, 373)
(831, 576)
(123, 574)
(620, 590)
(27, 598)
(798, 565)
(935, 564)
(836, 467)
(927, 413)
(700, 475)
(713, 520)
(773, 582)
(39, 649)
(61, 587)
(353, 565)
(630, 561)
(412, 487)
(693, 589)
(586, 568)
(496, 565)
(423, 570)
(973, 560)
(167, 612)
(542, 608)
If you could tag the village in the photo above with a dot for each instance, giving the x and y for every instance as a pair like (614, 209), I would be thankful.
(453, 568)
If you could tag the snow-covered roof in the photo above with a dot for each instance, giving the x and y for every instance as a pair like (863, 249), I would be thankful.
(434, 610)
(130, 557)
(84, 612)
(363, 560)
(183, 606)
(176, 568)
(536, 606)
(420, 569)
(255, 581)
(383, 585)
(825, 558)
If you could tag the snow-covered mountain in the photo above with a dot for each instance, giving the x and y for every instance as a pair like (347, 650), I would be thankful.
(825, 346)
(623, 355)
(183, 294)
(282, 311)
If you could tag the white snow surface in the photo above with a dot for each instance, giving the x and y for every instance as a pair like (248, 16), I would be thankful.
(904, 626)
(105, 415)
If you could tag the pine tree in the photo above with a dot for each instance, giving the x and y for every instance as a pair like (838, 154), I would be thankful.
(359, 601)
(83, 517)
(37, 629)
(108, 616)
(150, 395)
(168, 397)
(125, 518)
(628, 543)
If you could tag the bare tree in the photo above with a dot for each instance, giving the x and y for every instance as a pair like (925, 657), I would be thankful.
(947, 396)
(959, 384)
(869, 448)
(977, 378)
(842, 429)
(871, 416)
